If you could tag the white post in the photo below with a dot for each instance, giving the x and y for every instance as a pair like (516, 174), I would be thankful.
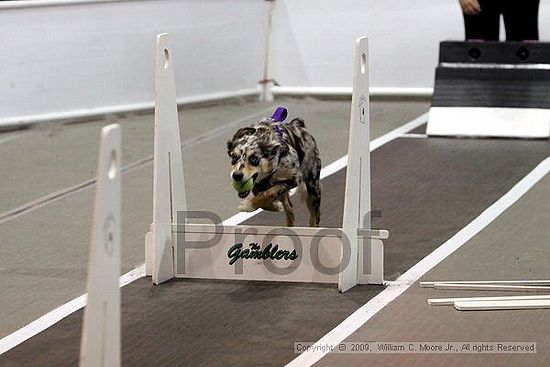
(267, 94)
(357, 193)
(100, 345)
(168, 183)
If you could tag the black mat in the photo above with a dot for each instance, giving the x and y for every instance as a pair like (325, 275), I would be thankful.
(204, 323)
(494, 52)
(478, 74)
(478, 87)
(426, 190)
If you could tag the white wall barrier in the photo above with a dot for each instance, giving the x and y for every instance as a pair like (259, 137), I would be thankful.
(112, 41)
(174, 248)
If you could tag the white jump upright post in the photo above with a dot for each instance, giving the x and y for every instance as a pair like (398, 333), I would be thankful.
(100, 345)
(168, 184)
(346, 256)
(357, 194)
(266, 94)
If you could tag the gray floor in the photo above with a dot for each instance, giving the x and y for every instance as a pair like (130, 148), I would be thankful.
(426, 190)
(44, 238)
(515, 246)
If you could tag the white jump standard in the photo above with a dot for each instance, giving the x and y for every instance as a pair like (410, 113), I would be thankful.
(100, 345)
(345, 256)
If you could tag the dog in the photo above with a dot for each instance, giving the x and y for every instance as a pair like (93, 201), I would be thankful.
(277, 157)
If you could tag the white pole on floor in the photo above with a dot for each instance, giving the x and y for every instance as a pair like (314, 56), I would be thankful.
(451, 301)
(502, 305)
(494, 282)
(492, 287)
(100, 345)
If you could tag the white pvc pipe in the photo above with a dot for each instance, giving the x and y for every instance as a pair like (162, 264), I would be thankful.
(494, 282)
(267, 84)
(451, 301)
(492, 287)
(19, 121)
(346, 91)
(23, 4)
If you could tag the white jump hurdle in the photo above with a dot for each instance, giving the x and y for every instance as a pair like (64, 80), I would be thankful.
(100, 345)
(347, 256)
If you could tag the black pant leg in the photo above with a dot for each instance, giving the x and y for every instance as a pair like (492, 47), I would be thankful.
(521, 19)
(486, 24)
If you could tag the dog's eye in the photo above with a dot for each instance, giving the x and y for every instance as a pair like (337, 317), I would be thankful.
(254, 160)
(234, 159)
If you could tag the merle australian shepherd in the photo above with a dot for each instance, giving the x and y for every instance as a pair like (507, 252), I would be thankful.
(278, 156)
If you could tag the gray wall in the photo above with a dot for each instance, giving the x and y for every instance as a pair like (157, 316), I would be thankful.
(98, 56)
(313, 44)
(76, 59)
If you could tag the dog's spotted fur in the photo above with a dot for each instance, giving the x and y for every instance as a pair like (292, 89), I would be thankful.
(278, 156)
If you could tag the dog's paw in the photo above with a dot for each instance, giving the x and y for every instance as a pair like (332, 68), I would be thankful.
(275, 206)
(246, 206)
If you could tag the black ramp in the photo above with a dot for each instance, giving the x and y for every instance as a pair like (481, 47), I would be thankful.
(493, 74)
(479, 87)
(494, 52)
(426, 190)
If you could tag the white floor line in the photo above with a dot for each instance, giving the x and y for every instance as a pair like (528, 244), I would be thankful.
(11, 137)
(414, 136)
(395, 289)
(5, 140)
(52, 317)
(49, 319)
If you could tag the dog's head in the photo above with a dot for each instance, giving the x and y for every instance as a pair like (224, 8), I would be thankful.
(254, 153)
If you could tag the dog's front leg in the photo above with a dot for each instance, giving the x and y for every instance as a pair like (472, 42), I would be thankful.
(267, 199)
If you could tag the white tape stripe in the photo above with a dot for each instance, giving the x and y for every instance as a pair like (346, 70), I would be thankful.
(52, 317)
(414, 136)
(372, 307)
(8, 138)
(65, 310)
(465, 65)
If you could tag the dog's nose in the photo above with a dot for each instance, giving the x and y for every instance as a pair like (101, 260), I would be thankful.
(237, 175)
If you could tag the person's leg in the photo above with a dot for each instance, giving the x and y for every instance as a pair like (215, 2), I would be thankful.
(486, 24)
(521, 20)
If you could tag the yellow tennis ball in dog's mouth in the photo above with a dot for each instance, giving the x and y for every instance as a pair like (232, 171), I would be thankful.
(243, 187)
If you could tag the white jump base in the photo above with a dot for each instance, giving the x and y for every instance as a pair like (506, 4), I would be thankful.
(319, 251)
(345, 256)
(528, 123)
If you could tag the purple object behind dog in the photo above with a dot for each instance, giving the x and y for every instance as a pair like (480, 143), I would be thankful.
(280, 114)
